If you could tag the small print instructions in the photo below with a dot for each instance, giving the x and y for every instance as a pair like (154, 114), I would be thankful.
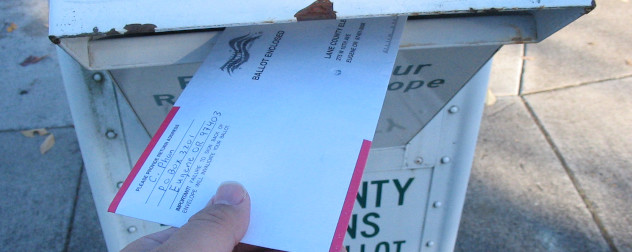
(289, 111)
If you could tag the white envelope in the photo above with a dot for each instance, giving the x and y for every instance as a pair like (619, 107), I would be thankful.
(289, 111)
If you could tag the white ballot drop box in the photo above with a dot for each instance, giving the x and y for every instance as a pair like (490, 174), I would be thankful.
(124, 63)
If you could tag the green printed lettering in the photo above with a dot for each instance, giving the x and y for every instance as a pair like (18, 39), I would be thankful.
(380, 245)
(349, 248)
(352, 230)
(412, 85)
(419, 67)
(376, 228)
(160, 98)
(361, 197)
(392, 125)
(395, 86)
(378, 197)
(436, 83)
(399, 245)
(184, 81)
(397, 68)
(401, 190)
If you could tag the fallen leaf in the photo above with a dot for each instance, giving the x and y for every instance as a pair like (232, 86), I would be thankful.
(628, 62)
(47, 144)
(32, 132)
(12, 27)
(32, 60)
(528, 58)
(490, 98)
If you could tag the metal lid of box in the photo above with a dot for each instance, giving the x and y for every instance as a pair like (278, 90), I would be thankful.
(92, 30)
(85, 17)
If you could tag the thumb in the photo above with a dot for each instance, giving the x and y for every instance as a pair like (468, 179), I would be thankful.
(218, 227)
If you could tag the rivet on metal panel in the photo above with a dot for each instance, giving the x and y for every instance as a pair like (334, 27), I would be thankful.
(419, 160)
(110, 134)
(430, 244)
(453, 109)
(445, 160)
(131, 229)
(98, 77)
(437, 204)
(119, 184)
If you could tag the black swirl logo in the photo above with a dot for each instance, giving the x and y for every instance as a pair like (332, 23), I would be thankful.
(240, 55)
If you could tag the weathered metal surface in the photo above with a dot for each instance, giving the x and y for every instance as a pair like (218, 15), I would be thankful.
(422, 81)
(192, 47)
(494, 26)
(104, 146)
(413, 187)
(100, 18)
(435, 150)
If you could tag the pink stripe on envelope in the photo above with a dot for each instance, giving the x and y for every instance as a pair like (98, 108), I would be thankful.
(142, 159)
(347, 208)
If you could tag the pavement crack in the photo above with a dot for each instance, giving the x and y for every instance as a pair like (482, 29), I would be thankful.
(74, 211)
(575, 85)
(522, 70)
(48, 128)
(571, 175)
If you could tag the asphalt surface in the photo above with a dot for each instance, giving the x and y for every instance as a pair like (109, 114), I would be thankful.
(552, 170)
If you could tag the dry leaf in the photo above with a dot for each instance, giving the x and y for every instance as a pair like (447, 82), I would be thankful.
(628, 62)
(528, 58)
(32, 132)
(47, 144)
(490, 98)
(32, 60)
(12, 27)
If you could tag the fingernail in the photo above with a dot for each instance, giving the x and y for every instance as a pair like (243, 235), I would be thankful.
(229, 193)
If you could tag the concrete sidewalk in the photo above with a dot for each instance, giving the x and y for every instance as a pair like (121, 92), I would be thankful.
(552, 170)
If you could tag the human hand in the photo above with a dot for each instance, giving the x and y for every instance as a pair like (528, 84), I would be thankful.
(217, 228)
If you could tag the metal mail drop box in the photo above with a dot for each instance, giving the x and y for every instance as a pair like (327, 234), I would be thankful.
(125, 62)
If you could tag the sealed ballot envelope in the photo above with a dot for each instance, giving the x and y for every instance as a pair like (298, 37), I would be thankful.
(287, 110)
